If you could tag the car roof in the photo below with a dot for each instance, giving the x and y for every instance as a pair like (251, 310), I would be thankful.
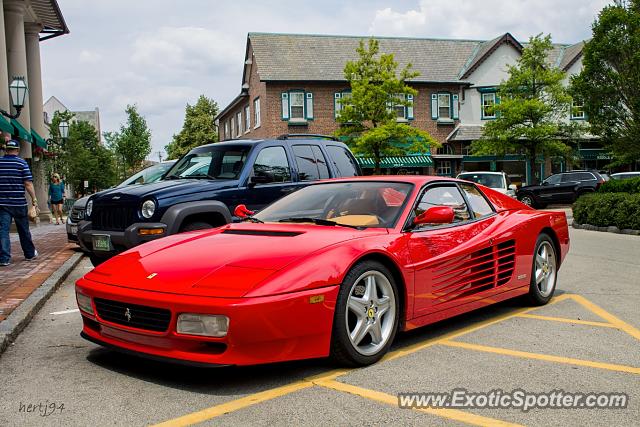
(481, 172)
(411, 179)
(283, 141)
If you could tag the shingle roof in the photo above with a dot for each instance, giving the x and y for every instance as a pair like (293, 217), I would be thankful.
(311, 57)
(304, 57)
(570, 55)
(466, 133)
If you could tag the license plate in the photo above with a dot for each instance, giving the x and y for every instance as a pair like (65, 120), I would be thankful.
(73, 229)
(101, 242)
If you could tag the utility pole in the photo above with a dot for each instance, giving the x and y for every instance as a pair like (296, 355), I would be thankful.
(160, 156)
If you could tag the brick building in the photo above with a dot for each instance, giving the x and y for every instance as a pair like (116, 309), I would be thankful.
(292, 83)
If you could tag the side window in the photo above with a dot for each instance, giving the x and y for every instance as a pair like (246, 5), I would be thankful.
(444, 196)
(585, 176)
(321, 162)
(344, 162)
(306, 161)
(569, 177)
(553, 179)
(479, 205)
(272, 165)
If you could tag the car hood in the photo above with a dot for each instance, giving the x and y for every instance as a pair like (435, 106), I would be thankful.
(81, 203)
(163, 189)
(225, 262)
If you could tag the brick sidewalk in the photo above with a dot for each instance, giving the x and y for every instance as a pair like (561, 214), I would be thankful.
(22, 277)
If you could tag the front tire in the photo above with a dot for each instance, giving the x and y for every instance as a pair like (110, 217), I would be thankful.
(528, 200)
(366, 316)
(544, 271)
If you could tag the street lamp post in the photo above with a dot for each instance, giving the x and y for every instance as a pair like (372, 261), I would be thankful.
(18, 90)
(63, 129)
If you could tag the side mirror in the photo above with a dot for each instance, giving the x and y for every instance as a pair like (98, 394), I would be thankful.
(258, 179)
(513, 187)
(435, 215)
(241, 211)
(545, 183)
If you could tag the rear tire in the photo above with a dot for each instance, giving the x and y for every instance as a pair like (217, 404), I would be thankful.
(196, 225)
(366, 316)
(528, 200)
(544, 271)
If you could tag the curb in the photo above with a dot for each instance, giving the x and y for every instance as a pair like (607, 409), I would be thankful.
(19, 318)
(609, 229)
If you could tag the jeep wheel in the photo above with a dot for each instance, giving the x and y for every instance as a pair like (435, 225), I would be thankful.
(196, 225)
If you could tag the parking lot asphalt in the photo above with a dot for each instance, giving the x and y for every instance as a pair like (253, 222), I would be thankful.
(586, 340)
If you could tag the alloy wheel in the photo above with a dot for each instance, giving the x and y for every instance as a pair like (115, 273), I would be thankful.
(545, 268)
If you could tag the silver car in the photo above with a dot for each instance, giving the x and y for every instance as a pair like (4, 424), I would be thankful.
(498, 181)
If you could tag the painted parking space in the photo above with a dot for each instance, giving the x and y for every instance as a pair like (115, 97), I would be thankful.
(332, 380)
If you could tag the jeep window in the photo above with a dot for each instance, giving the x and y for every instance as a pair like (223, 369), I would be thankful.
(221, 162)
(311, 162)
(553, 179)
(272, 165)
(343, 160)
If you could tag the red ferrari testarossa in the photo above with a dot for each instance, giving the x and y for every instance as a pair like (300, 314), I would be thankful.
(334, 269)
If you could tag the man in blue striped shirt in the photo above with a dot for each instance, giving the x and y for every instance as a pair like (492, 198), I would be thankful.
(15, 177)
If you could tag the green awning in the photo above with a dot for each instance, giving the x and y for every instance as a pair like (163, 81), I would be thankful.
(20, 131)
(5, 125)
(40, 142)
(414, 161)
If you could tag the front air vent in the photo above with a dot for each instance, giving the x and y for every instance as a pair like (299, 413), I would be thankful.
(270, 233)
(481, 270)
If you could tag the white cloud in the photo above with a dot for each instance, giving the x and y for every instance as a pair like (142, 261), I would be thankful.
(89, 57)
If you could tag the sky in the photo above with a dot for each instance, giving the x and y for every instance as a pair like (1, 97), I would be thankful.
(161, 54)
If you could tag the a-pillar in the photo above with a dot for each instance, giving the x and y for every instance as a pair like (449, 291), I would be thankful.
(17, 58)
(40, 179)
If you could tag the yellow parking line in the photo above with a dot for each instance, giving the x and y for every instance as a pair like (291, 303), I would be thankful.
(607, 316)
(452, 414)
(545, 357)
(566, 320)
(234, 405)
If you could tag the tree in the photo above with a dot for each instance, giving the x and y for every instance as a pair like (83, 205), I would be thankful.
(609, 84)
(87, 160)
(198, 128)
(132, 142)
(367, 115)
(532, 110)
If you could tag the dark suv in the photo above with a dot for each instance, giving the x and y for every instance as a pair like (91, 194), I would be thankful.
(203, 187)
(563, 187)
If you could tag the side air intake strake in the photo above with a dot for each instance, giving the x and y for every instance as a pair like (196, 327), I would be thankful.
(481, 270)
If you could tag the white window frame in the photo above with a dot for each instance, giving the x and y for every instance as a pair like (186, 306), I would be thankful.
(444, 168)
(247, 119)
(226, 130)
(482, 99)
(233, 127)
(302, 95)
(577, 105)
(256, 113)
(448, 96)
(239, 124)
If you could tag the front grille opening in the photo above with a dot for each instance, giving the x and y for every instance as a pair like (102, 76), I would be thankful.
(133, 315)
(113, 218)
(91, 324)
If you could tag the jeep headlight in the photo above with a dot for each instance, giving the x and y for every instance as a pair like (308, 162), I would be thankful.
(148, 209)
(89, 208)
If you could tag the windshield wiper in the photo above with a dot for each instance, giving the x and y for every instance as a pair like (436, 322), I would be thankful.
(172, 176)
(319, 221)
(200, 176)
(252, 219)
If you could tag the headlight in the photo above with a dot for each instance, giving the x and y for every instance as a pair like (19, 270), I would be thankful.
(148, 208)
(203, 324)
(84, 302)
(89, 208)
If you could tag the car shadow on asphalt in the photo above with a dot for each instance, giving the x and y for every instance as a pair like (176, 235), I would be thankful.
(234, 380)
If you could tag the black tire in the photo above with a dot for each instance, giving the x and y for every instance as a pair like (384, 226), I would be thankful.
(528, 199)
(343, 351)
(96, 261)
(196, 225)
(536, 297)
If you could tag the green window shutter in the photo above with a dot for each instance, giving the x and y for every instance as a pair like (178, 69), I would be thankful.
(336, 104)
(309, 105)
(410, 107)
(285, 106)
(434, 106)
(454, 106)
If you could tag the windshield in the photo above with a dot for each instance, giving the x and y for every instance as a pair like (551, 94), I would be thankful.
(222, 162)
(486, 179)
(145, 176)
(359, 204)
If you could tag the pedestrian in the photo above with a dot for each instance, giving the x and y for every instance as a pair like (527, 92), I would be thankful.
(15, 178)
(56, 197)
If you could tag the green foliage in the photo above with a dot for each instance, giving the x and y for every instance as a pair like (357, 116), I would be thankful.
(532, 109)
(132, 142)
(198, 128)
(368, 124)
(607, 209)
(85, 159)
(609, 83)
(631, 185)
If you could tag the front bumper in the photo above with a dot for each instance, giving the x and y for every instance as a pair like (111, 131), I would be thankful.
(261, 330)
(120, 240)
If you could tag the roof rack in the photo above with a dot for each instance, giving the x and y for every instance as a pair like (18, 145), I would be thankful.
(306, 135)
